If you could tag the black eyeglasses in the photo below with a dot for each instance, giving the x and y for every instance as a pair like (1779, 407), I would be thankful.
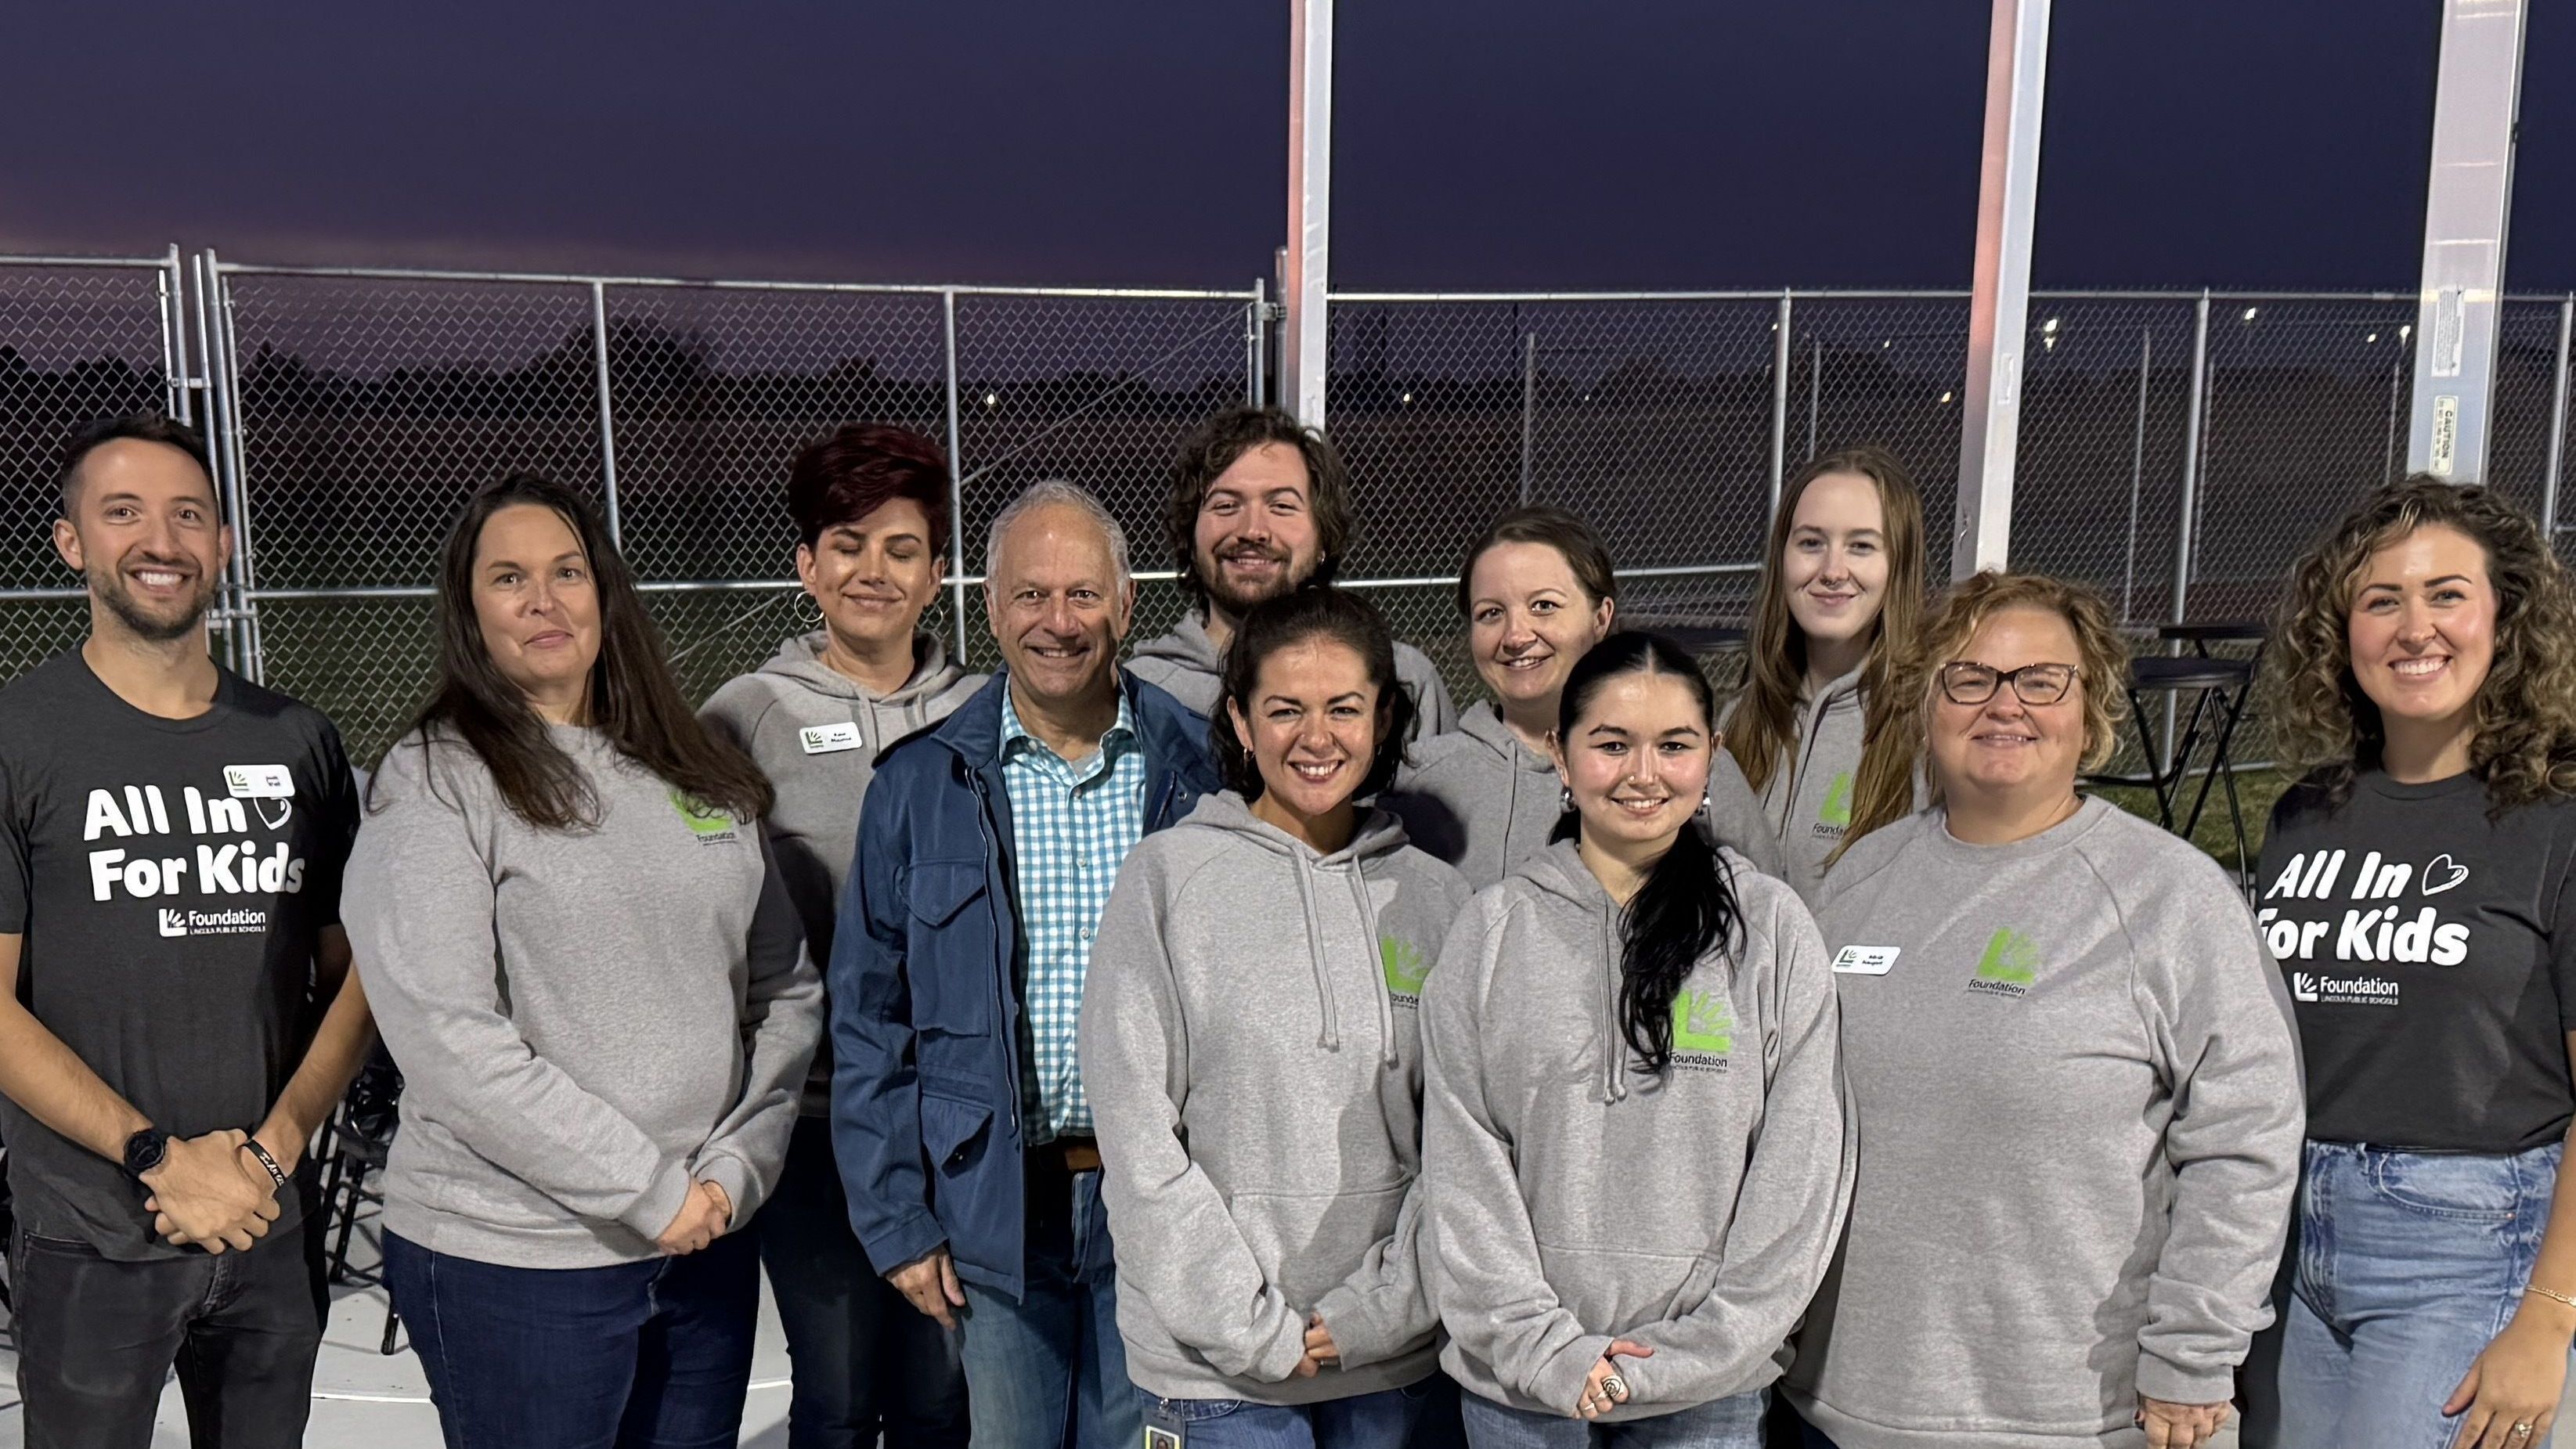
(1964, 682)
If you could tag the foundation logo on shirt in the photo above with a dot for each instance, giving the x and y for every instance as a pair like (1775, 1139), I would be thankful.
(1703, 1030)
(175, 923)
(1834, 816)
(709, 823)
(1405, 970)
(2009, 966)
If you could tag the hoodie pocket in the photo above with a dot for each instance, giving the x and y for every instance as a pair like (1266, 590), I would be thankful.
(1614, 1290)
(1306, 1245)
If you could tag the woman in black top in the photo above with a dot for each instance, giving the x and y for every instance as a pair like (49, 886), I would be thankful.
(2416, 888)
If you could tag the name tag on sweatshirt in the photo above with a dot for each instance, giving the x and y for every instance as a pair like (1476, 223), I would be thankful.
(1865, 960)
(825, 739)
(259, 782)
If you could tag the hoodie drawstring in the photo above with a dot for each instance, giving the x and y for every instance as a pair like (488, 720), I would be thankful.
(1385, 1007)
(1331, 1037)
(1614, 1073)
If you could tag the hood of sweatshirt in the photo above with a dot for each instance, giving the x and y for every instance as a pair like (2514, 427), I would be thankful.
(800, 658)
(1809, 799)
(1477, 797)
(1252, 1054)
(1187, 646)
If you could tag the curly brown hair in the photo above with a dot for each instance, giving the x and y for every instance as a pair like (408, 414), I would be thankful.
(2525, 746)
(1884, 793)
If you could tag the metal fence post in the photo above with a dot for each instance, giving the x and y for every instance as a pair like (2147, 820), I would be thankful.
(1256, 341)
(956, 475)
(607, 417)
(2557, 424)
(2194, 419)
(1815, 390)
(1529, 405)
(172, 286)
(1779, 402)
(2137, 473)
(223, 371)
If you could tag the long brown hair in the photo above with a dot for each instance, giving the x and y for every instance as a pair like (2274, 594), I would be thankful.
(2525, 745)
(634, 700)
(1898, 714)
(1763, 727)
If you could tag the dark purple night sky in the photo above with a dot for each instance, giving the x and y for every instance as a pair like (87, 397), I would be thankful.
(1480, 143)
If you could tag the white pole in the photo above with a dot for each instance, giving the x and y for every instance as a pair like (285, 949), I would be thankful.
(1310, 205)
(1998, 312)
(2475, 97)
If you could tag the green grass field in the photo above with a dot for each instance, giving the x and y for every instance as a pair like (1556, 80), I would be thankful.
(2256, 788)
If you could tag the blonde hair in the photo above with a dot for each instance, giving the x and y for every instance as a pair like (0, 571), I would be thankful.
(1900, 716)
(2525, 745)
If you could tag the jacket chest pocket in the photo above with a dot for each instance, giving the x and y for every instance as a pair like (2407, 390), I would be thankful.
(951, 948)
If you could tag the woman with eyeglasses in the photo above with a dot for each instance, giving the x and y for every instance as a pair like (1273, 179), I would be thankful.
(2073, 1069)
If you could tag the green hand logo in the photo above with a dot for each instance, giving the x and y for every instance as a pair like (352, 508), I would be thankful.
(1405, 969)
(702, 819)
(2011, 957)
(1837, 807)
(1703, 1021)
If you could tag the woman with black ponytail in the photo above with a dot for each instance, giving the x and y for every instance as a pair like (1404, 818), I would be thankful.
(1635, 1146)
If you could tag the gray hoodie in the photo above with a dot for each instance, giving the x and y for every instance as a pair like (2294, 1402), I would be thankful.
(1251, 1054)
(817, 733)
(586, 1020)
(1808, 799)
(1187, 664)
(2080, 1127)
(1575, 1199)
(1483, 801)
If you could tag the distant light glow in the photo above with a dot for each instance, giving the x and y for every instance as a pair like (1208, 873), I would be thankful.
(2373, 337)
(1945, 397)
(2250, 311)
(2048, 326)
(992, 400)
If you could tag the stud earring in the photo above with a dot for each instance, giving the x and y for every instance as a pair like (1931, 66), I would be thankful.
(1567, 794)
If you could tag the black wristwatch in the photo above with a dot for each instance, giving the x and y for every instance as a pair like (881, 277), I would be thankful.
(144, 1151)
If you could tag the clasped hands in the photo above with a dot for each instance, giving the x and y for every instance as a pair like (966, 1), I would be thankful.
(211, 1193)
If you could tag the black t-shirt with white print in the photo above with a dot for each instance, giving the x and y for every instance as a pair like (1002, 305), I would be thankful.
(168, 879)
(2431, 956)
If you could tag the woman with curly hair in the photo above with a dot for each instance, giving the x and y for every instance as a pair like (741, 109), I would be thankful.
(2417, 892)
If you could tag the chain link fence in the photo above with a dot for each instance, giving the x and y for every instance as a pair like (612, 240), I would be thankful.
(2177, 449)
(80, 338)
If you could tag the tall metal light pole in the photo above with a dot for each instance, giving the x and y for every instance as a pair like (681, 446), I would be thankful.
(2475, 101)
(1998, 314)
(1310, 208)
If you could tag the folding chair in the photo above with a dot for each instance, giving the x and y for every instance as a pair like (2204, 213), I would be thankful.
(2220, 690)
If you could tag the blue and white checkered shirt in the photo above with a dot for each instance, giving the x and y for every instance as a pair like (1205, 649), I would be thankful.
(1071, 829)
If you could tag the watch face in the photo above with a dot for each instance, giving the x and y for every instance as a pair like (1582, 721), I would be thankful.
(144, 1151)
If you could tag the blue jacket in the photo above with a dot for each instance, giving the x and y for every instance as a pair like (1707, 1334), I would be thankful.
(925, 995)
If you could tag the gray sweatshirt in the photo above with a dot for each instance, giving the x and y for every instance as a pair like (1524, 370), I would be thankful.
(817, 733)
(1250, 1049)
(2080, 1120)
(1483, 801)
(1187, 664)
(1808, 799)
(1574, 1198)
(585, 1020)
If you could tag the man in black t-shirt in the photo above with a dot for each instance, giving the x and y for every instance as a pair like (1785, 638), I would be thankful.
(177, 1013)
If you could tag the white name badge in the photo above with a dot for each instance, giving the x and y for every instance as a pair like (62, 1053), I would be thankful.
(1865, 960)
(259, 782)
(825, 739)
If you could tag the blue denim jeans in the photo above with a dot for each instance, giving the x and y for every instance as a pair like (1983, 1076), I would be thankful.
(2408, 1263)
(1050, 1372)
(651, 1355)
(1732, 1423)
(863, 1355)
(1383, 1420)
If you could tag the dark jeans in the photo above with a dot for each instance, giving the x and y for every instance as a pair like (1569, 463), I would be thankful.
(96, 1339)
(651, 1355)
(864, 1356)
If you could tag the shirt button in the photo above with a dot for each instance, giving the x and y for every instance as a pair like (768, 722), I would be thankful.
(1086, 933)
